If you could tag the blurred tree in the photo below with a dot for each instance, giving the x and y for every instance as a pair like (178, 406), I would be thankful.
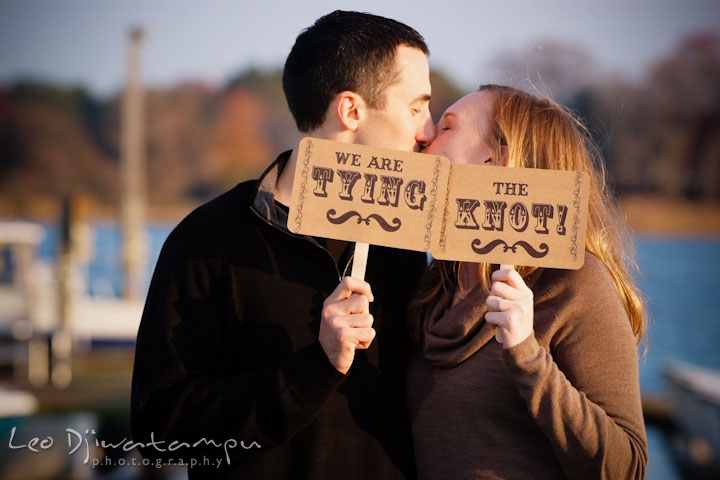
(178, 131)
(444, 93)
(10, 153)
(684, 97)
(667, 138)
(278, 126)
(237, 148)
(45, 152)
(549, 68)
(661, 135)
(202, 141)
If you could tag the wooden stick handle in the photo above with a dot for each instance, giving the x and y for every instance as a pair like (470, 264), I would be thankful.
(498, 333)
(360, 261)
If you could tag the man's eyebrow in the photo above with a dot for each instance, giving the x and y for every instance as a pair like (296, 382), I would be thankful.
(421, 98)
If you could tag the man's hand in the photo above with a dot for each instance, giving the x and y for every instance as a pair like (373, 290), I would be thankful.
(346, 323)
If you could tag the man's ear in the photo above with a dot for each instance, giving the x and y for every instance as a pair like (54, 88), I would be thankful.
(350, 108)
(502, 157)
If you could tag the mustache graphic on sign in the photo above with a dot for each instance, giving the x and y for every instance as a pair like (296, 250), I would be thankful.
(421, 202)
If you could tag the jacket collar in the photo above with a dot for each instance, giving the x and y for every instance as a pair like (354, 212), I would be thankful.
(264, 199)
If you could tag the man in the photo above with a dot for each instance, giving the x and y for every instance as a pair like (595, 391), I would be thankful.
(247, 336)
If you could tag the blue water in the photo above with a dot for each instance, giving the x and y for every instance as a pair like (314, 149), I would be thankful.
(104, 277)
(680, 280)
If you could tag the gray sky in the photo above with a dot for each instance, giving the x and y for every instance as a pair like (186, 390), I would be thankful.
(82, 41)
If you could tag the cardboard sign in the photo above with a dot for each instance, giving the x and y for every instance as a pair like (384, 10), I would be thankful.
(518, 216)
(367, 194)
(415, 201)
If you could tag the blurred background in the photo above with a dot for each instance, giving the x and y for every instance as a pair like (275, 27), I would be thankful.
(118, 118)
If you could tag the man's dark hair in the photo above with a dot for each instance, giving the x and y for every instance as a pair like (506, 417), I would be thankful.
(343, 51)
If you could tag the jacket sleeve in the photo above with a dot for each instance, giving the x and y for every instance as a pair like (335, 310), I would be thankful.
(179, 390)
(585, 394)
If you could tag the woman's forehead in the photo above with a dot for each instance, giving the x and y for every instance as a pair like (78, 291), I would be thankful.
(475, 105)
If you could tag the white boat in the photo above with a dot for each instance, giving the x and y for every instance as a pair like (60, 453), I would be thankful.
(31, 306)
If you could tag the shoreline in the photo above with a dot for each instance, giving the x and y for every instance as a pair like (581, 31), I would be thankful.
(657, 216)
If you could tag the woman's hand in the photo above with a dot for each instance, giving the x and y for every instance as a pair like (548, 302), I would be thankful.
(514, 317)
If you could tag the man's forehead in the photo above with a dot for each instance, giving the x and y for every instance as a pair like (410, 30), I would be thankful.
(410, 59)
(412, 71)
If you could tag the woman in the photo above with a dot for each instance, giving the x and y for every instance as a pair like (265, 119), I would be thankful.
(559, 397)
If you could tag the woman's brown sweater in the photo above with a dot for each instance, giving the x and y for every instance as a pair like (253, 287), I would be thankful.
(564, 403)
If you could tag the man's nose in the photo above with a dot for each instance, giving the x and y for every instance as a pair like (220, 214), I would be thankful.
(426, 132)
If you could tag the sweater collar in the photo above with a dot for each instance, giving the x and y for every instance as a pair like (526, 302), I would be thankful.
(452, 334)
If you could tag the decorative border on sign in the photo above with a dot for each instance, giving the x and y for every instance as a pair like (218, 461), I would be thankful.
(433, 201)
(442, 244)
(576, 216)
(303, 184)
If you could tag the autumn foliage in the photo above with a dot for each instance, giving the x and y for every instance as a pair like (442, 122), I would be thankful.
(659, 135)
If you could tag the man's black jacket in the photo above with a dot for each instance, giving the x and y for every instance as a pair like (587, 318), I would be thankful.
(228, 365)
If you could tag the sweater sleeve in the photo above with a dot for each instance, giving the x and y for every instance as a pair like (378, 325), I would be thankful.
(179, 391)
(584, 394)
